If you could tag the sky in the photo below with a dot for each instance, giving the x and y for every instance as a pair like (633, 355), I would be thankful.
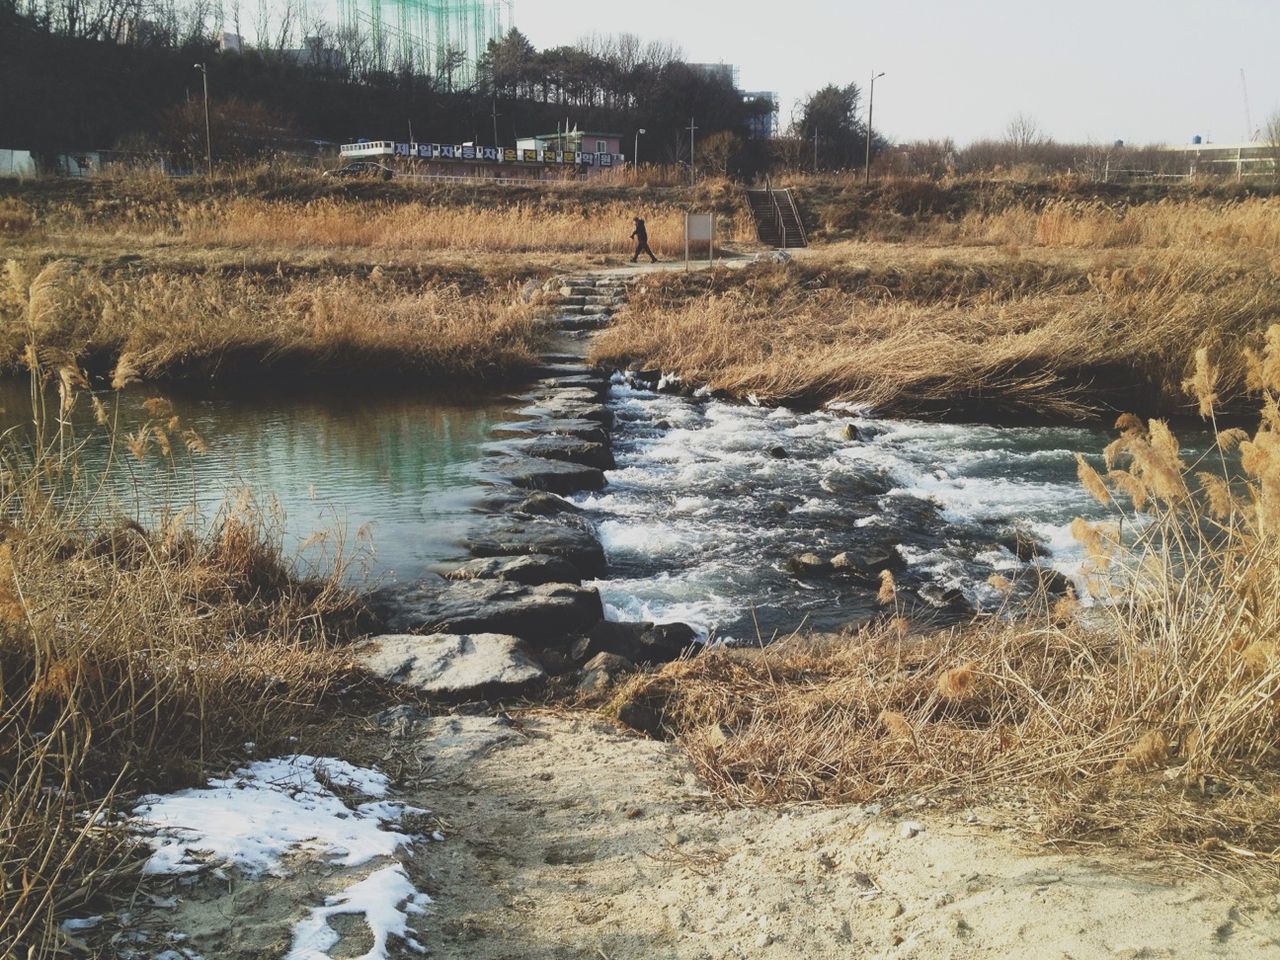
(1142, 71)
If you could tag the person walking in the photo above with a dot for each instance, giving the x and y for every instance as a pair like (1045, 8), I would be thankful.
(641, 236)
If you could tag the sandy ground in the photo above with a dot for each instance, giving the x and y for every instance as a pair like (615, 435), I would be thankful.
(566, 838)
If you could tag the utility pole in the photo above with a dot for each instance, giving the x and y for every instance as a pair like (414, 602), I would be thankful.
(815, 149)
(871, 106)
(692, 174)
(208, 139)
(495, 121)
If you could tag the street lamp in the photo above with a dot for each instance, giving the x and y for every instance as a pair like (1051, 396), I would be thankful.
(635, 156)
(871, 106)
(208, 140)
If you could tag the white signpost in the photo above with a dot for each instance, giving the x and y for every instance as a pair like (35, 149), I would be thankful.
(700, 228)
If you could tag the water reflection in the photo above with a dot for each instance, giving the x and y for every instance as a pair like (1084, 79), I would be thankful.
(402, 468)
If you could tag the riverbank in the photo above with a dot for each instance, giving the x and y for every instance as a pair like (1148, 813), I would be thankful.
(296, 276)
(1066, 309)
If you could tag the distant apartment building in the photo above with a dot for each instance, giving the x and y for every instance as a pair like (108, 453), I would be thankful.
(762, 125)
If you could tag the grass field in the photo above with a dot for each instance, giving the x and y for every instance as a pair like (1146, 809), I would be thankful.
(1068, 309)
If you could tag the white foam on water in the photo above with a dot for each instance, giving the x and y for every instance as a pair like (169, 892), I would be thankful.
(704, 498)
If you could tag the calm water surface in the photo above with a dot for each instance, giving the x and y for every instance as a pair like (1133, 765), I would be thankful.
(403, 471)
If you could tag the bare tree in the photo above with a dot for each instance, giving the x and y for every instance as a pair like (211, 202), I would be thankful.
(1022, 132)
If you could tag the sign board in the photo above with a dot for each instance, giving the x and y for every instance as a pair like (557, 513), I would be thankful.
(700, 228)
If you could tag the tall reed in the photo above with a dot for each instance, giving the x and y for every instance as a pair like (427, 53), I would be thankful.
(130, 659)
(1148, 720)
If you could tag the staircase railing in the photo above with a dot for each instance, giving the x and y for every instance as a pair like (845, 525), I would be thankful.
(795, 212)
(777, 211)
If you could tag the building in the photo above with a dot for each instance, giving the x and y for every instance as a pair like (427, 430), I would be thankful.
(1239, 160)
(17, 163)
(763, 125)
(717, 71)
(433, 37)
(473, 162)
(575, 141)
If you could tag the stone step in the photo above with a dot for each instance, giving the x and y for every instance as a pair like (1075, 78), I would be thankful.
(596, 321)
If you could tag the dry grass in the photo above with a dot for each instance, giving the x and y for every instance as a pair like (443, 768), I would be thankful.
(1064, 334)
(161, 324)
(130, 660)
(1152, 722)
(1251, 224)
(601, 228)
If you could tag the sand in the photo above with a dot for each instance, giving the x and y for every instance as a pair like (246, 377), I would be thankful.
(567, 838)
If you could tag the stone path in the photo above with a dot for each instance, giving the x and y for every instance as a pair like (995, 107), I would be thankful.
(524, 600)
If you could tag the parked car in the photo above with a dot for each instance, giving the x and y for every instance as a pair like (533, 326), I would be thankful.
(362, 168)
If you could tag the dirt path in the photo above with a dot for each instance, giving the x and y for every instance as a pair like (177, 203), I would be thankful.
(565, 839)
(568, 839)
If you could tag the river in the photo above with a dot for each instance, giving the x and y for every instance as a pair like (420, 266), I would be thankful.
(709, 500)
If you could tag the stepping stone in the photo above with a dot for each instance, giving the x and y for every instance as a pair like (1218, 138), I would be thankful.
(543, 614)
(453, 666)
(566, 537)
(580, 394)
(581, 428)
(560, 408)
(531, 570)
(536, 473)
(569, 449)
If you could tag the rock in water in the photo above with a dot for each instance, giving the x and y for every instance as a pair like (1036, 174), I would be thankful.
(555, 476)
(453, 666)
(540, 615)
(566, 537)
(807, 565)
(532, 569)
(637, 642)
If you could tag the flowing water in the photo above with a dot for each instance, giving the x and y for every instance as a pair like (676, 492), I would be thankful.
(711, 499)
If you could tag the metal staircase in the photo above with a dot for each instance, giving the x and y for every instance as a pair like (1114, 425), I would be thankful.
(778, 222)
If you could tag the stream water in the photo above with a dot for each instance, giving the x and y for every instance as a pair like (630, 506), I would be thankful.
(711, 499)
(708, 502)
(396, 477)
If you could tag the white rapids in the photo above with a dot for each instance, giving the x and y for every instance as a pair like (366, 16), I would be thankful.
(710, 499)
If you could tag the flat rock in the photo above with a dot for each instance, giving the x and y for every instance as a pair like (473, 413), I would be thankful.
(564, 408)
(558, 393)
(566, 537)
(545, 505)
(556, 476)
(540, 614)
(568, 449)
(581, 428)
(636, 642)
(453, 666)
(530, 569)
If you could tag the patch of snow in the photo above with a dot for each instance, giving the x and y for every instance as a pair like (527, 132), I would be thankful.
(264, 811)
(385, 898)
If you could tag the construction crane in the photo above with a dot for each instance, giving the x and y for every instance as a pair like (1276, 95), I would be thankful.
(427, 36)
(1250, 134)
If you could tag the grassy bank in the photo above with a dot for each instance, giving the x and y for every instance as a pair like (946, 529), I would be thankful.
(1149, 722)
(132, 660)
(147, 324)
(264, 272)
(1062, 308)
